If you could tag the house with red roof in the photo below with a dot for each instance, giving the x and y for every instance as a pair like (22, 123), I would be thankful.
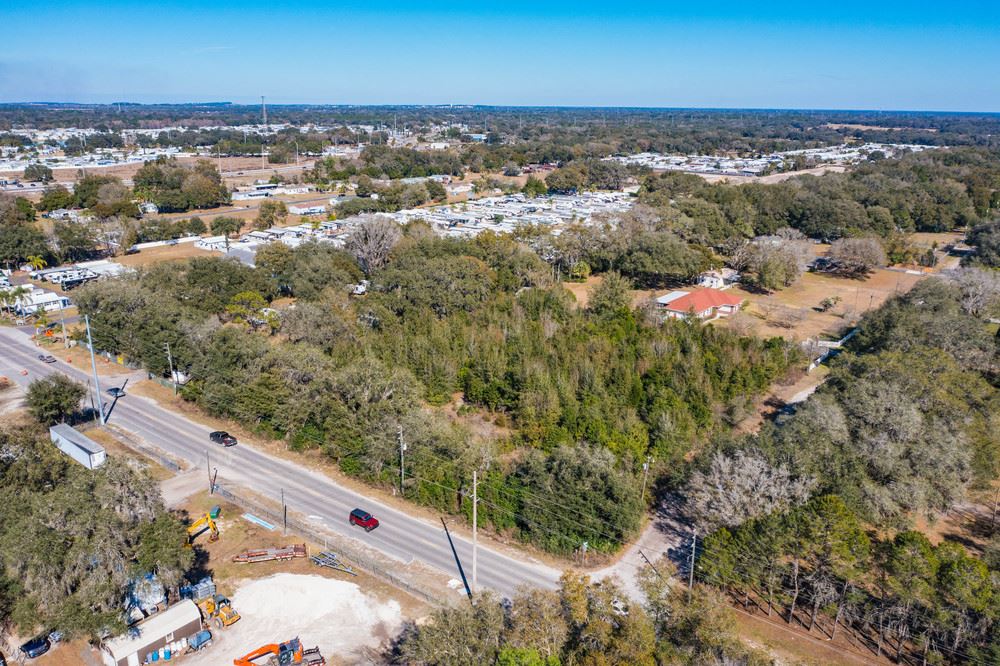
(704, 304)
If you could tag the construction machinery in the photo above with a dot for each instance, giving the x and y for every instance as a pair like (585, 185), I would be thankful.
(199, 641)
(267, 554)
(205, 523)
(282, 654)
(219, 611)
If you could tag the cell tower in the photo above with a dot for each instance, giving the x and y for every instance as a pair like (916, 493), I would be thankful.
(263, 109)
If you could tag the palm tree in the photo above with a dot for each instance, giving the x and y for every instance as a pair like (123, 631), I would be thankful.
(10, 298)
(16, 295)
(36, 262)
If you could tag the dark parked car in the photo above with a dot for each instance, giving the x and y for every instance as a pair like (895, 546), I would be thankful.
(46, 358)
(116, 392)
(363, 519)
(36, 647)
(222, 437)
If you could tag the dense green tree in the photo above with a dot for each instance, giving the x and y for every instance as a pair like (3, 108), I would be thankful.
(37, 173)
(55, 196)
(54, 399)
(74, 538)
(270, 213)
(75, 241)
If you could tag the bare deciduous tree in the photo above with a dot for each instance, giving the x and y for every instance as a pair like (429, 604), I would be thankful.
(738, 487)
(980, 289)
(856, 256)
(772, 262)
(371, 242)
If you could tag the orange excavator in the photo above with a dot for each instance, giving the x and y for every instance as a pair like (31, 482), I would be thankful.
(282, 654)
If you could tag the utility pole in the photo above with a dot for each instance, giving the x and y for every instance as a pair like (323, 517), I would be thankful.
(475, 548)
(996, 502)
(170, 362)
(208, 470)
(645, 473)
(93, 364)
(284, 514)
(263, 109)
(402, 448)
(694, 547)
(62, 320)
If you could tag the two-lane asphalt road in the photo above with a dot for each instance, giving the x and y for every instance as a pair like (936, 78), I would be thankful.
(401, 536)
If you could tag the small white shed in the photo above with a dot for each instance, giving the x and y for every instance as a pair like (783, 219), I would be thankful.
(167, 629)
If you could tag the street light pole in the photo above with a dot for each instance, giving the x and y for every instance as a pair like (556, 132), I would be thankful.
(170, 362)
(93, 364)
(645, 473)
(402, 448)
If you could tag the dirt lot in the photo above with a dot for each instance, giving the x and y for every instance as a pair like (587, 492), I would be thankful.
(793, 313)
(803, 297)
(581, 292)
(155, 255)
(795, 646)
(324, 607)
(236, 170)
(772, 178)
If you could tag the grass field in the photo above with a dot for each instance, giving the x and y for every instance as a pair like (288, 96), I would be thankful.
(155, 255)
(793, 313)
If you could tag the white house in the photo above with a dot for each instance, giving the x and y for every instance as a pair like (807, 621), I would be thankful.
(306, 210)
(719, 279)
(36, 300)
(213, 243)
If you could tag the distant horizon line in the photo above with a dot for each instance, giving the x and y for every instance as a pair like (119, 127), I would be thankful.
(584, 107)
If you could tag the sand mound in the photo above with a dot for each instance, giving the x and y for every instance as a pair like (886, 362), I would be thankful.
(335, 615)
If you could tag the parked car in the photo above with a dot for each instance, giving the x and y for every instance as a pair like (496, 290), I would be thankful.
(363, 519)
(116, 392)
(46, 358)
(36, 647)
(222, 437)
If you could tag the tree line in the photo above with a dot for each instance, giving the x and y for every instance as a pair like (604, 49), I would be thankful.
(812, 517)
(72, 540)
(582, 622)
(561, 402)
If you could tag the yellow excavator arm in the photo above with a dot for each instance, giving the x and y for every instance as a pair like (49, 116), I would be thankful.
(206, 522)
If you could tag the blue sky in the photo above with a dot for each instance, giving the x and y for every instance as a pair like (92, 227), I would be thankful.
(773, 54)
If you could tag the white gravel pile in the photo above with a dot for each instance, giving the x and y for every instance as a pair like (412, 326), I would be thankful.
(335, 615)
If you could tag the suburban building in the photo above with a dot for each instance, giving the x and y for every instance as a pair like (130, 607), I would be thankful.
(307, 210)
(36, 300)
(719, 279)
(166, 630)
(704, 304)
(215, 243)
